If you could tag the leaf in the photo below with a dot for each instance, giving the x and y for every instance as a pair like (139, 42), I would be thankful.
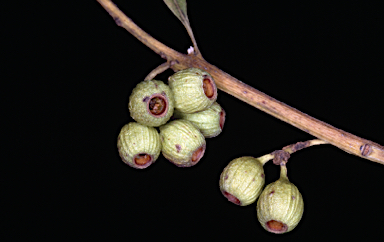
(178, 8)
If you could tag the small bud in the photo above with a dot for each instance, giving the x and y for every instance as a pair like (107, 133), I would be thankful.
(242, 180)
(210, 122)
(182, 143)
(194, 90)
(151, 103)
(139, 145)
(280, 206)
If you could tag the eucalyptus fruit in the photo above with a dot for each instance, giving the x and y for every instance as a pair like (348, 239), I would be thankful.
(182, 143)
(194, 90)
(151, 103)
(242, 180)
(139, 145)
(210, 122)
(280, 206)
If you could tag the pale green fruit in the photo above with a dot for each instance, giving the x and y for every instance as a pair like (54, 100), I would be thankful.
(139, 145)
(280, 206)
(194, 90)
(242, 180)
(151, 103)
(210, 122)
(182, 143)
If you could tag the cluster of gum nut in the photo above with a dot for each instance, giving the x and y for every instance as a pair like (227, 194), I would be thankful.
(189, 101)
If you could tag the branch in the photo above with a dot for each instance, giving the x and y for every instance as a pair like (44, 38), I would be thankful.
(345, 141)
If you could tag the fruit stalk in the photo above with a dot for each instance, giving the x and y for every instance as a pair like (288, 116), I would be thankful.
(345, 141)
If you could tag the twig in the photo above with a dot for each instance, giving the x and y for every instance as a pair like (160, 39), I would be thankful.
(280, 157)
(346, 141)
(160, 69)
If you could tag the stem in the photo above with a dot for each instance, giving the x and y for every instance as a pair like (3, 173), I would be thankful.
(345, 141)
(281, 156)
(196, 49)
(283, 171)
(301, 145)
(160, 69)
(265, 158)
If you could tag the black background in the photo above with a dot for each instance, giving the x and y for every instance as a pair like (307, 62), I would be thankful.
(70, 70)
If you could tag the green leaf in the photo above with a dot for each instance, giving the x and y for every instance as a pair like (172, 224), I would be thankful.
(178, 8)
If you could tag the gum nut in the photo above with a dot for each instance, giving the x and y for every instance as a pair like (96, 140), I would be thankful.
(210, 122)
(182, 143)
(280, 206)
(139, 145)
(242, 180)
(194, 90)
(151, 103)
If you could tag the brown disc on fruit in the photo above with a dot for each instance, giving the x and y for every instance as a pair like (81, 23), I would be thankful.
(142, 159)
(276, 227)
(231, 198)
(209, 88)
(197, 154)
(157, 105)
(222, 118)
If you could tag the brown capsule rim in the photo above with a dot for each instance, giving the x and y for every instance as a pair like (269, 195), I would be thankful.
(222, 118)
(213, 85)
(198, 154)
(276, 227)
(141, 166)
(162, 96)
(231, 198)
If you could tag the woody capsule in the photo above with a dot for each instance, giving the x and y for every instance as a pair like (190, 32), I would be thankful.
(280, 206)
(151, 103)
(139, 146)
(193, 89)
(242, 180)
(182, 143)
(210, 122)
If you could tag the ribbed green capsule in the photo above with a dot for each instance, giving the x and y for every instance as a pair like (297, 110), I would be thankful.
(182, 143)
(151, 103)
(139, 145)
(194, 90)
(210, 122)
(280, 206)
(242, 180)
